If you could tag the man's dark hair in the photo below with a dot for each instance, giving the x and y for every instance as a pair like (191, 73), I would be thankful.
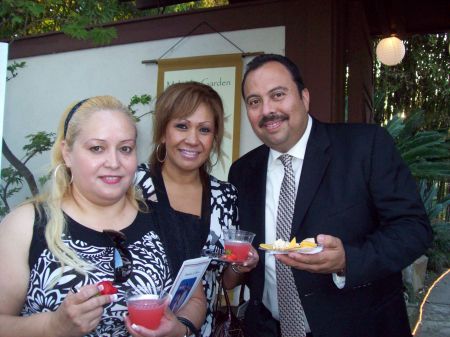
(260, 60)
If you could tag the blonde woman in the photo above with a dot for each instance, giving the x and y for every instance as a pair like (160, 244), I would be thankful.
(87, 228)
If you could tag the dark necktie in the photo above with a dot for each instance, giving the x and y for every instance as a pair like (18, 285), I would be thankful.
(292, 316)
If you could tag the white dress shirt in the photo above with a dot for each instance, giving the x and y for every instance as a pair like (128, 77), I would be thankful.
(275, 174)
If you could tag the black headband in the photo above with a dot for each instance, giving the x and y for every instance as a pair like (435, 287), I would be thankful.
(70, 114)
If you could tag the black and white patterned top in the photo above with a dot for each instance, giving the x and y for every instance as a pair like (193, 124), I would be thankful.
(219, 210)
(150, 268)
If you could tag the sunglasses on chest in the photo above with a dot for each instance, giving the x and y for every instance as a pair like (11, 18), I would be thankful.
(123, 261)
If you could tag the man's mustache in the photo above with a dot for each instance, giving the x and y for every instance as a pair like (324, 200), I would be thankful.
(271, 118)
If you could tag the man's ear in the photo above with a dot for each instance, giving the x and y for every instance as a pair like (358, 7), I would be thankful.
(305, 98)
(65, 153)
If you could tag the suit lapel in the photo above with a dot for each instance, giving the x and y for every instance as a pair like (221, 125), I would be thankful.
(258, 178)
(314, 166)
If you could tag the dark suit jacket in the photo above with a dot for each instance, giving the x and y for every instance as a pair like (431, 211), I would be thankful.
(354, 186)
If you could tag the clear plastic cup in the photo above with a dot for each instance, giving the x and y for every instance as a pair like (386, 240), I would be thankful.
(146, 306)
(237, 244)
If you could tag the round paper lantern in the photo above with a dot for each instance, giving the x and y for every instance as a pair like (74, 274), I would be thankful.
(390, 51)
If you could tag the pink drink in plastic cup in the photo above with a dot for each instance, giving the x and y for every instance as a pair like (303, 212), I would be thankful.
(237, 244)
(239, 249)
(146, 310)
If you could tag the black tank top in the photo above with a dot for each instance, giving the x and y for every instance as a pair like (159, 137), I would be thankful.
(150, 267)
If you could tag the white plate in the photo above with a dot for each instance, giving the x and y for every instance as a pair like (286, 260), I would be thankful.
(306, 250)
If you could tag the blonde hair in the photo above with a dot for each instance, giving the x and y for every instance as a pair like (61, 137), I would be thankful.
(181, 100)
(60, 177)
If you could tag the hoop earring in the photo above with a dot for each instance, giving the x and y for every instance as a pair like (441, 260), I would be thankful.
(217, 160)
(157, 154)
(55, 172)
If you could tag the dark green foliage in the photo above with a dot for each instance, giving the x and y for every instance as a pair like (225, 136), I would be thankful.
(12, 183)
(439, 253)
(427, 153)
(144, 99)
(80, 19)
(37, 143)
(420, 81)
(12, 69)
(12, 178)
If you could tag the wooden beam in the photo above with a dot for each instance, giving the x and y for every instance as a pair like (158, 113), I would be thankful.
(148, 4)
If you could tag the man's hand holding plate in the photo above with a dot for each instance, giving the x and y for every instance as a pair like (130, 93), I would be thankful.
(330, 260)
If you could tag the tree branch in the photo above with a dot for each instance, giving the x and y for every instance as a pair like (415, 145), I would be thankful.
(21, 168)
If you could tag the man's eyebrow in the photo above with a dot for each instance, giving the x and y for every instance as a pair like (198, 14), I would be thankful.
(251, 96)
(280, 87)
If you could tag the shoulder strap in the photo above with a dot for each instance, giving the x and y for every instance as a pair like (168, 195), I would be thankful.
(38, 242)
(170, 228)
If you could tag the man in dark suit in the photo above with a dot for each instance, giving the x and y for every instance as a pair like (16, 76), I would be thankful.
(354, 195)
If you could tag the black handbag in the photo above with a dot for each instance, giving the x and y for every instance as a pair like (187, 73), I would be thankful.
(225, 322)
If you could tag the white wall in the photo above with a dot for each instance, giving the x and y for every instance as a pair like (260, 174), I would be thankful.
(36, 98)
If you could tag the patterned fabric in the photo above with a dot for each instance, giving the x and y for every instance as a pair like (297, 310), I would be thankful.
(292, 319)
(150, 268)
(222, 213)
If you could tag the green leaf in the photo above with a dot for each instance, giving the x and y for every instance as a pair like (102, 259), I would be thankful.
(432, 170)
(11, 176)
(39, 142)
(395, 126)
(16, 20)
(12, 69)
(75, 31)
(425, 152)
(413, 123)
(102, 36)
(144, 99)
(34, 8)
(43, 180)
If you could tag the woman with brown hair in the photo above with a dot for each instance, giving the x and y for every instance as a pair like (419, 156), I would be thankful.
(192, 206)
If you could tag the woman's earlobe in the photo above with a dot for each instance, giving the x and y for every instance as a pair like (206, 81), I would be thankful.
(65, 154)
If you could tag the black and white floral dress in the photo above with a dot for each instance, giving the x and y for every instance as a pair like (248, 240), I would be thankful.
(150, 268)
(190, 233)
